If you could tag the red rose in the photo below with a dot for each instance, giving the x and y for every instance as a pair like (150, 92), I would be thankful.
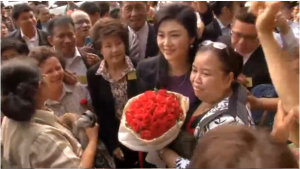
(159, 112)
(158, 128)
(150, 94)
(83, 101)
(170, 121)
(163, 92)
(146, 134)
(153, 113)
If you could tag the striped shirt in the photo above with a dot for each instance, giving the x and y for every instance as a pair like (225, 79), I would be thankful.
(69, 101)
(40, 143)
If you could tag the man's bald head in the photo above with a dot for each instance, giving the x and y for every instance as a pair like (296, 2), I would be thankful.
(82, 23)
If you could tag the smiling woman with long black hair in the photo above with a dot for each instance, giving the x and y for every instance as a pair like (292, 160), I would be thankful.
(176, 27)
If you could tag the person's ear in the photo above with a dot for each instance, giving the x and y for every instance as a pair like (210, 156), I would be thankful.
(50, 40)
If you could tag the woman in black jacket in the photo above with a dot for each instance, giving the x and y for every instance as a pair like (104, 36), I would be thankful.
(111, 83)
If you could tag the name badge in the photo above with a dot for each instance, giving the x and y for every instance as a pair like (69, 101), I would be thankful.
(249, 81)
(82, 79)
(131, 75)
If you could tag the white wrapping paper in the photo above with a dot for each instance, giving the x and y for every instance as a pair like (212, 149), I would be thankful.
(132, 140)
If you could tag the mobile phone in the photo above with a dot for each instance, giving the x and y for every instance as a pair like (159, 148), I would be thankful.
(88, 40)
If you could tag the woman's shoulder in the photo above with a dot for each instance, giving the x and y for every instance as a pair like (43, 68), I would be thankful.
(148, 66)
(93, 69)
(148, 63)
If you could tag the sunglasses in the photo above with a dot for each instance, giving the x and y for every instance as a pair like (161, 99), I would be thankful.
(218, 45)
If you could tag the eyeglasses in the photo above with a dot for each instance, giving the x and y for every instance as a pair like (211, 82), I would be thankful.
(218, 45)
(237, 35)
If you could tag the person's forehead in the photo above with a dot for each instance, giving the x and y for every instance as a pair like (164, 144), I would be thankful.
(243, 27)
(77, 15)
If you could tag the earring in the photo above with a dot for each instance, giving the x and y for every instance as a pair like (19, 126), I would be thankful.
(191, 46)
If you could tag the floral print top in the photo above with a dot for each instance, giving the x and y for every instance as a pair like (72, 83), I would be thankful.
(119, 86)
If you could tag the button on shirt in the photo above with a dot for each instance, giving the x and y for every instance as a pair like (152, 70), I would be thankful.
(225, 29)
(31, 43)
(143, 37)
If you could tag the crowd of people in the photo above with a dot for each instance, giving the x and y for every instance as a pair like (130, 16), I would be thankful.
(238, 65)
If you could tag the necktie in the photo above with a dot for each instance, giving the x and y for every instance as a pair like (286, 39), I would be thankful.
(135, 47)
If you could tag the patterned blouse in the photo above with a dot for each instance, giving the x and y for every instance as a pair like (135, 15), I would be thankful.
(40, 143)
(219, 115)
(119, 86)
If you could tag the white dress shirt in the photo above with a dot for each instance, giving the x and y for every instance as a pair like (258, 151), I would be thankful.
(31, 43)
(77, 66)
(225, 29)
(143, 38)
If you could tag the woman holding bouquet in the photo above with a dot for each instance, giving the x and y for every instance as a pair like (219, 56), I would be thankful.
(176, 27)
(213, 76)
(111, 83)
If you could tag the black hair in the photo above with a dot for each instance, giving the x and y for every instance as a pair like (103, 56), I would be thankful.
(240, 146)
(185, 15)
(20, 8)
(115, 13)
(43, 53)
(14, 44)
(59, 21)
(39, 7)
(231, 60)
(246, 17)
(217, 6)
(19, 86)
(2, 5)
(103, 7)
(90, 8)
(289, 4)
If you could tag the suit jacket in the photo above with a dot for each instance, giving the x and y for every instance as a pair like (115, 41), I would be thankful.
(104, 107)
(147, 74)
(152, 47)
(212, 31)
(43, 37)
(256, 67)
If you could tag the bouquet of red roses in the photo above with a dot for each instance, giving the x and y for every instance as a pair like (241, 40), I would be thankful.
(152, 120)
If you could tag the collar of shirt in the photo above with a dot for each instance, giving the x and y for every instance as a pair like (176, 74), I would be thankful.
(45, 116)
(102, 70)
(66, 89)
(36, 36)
(246, 56)
(77, 53)
(143, 30)
(221, 25)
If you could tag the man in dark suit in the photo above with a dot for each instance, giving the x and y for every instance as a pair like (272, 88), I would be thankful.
(43, 16)
(142, 36)
(245, 41)
(225, 12)
(24, 18)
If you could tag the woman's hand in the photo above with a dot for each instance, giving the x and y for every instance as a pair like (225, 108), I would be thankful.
(70, 78)
(266, 11)
(92, 132)
(242, 80)
(118, 153)
(255, 103)
(92, 59)
(283, 123)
